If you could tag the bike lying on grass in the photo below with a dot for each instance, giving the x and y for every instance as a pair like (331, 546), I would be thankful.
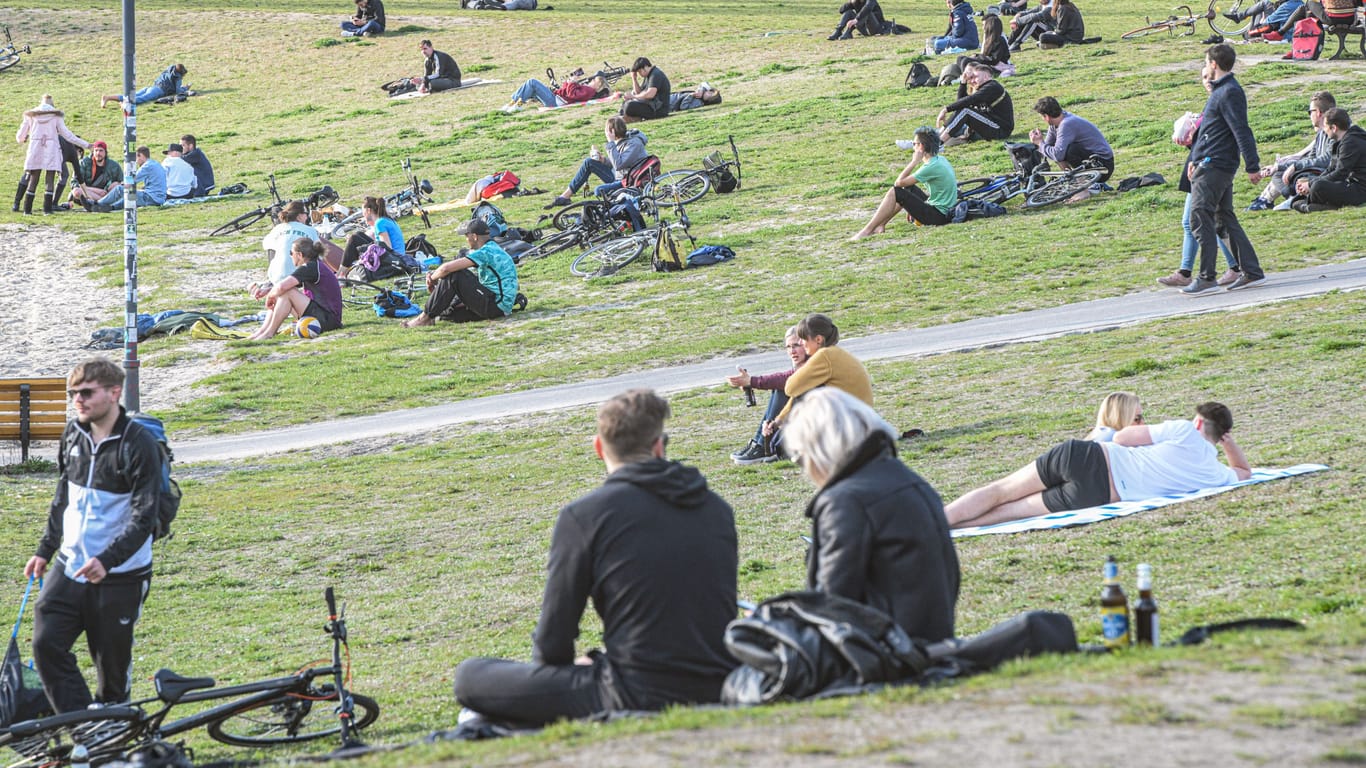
(588, 223)
(311, 704)
(315, 201)
(9, 53)
(1170, 25)
(688, 186)
(413, 198)
(1032, 179)
(611, 256)
(412, 283)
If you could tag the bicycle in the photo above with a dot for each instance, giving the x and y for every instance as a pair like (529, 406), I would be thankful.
(405, 202)
(689, 186)
(609, 257)
(261, 713)
(9, 53)
(362, 294)
(1224, 26)
(608, 73)
(1168, 25)
(1032, 179)
(320, 199)
(590, 222)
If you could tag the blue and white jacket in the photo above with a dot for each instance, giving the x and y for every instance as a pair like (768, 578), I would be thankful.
(106, 502)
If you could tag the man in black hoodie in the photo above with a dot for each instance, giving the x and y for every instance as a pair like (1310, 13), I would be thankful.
(656, 550)
(1344, 183)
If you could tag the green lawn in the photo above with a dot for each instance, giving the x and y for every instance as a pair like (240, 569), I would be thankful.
(438, 541)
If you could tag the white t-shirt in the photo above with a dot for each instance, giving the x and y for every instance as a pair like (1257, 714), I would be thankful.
(1180, 460)
(179, 177)
(280, 240)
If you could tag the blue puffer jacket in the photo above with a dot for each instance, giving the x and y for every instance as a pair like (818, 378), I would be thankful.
(962, 28)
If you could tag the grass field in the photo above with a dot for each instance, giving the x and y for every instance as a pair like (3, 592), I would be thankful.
(438, 541)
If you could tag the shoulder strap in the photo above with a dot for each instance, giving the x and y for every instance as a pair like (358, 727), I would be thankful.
(1197, 635)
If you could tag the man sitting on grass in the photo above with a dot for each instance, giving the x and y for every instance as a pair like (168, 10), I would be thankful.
(656, 550)
(439, 70)
(1142, 462)
(1344, 183)
(151, 177)
(480, 284)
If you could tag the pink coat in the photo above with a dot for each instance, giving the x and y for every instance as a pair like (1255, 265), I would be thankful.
(40, 128)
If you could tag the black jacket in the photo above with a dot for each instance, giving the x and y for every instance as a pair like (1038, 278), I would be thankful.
(1224, 131)
(656, 550)
(107, 499)
(203, 171)
(1347, 163)
(879, 537)
(1069, 24)
(991, 99)
(440, 64)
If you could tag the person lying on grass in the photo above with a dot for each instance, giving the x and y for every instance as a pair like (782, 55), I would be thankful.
(480, 284)
(568, 92)
(926, 190)
(1141, 462)
(1117, 411)
(310, 291)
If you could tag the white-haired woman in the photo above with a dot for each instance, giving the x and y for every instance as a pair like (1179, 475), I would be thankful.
(878, 531)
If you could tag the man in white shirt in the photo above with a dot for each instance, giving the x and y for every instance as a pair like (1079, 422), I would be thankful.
(179, 174)
(1143, 461)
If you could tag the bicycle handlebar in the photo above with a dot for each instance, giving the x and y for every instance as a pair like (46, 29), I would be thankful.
(331, 597)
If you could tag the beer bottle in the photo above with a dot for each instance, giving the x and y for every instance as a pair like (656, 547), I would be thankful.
(1145, 610)
(750, 402)
(1114, 608)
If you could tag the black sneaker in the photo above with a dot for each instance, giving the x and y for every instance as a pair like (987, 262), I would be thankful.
(519, 303)
(558, 202)
(754, 453)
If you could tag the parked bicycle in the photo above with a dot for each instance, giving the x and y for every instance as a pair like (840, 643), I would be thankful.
(9, 53)
(411, 199)
(313, 703)
(609, 257)
(688, 186)
(588, 223)
(320, 199)
(1031, 178)
(1170, 25)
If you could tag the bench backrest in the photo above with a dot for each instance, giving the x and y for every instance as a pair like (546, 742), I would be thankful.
(46, 408)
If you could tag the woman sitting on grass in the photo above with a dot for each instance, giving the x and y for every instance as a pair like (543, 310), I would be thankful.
(878, 531)
(927, 190)
(311, 291)
(379, 229)
(826, 365)
(569, 92)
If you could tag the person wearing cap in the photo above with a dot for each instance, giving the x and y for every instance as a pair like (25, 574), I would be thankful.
(203, 170)
(480, 284)
(166, 84)
(439, 71)
(96, 174)
(43, 129)
(179, 174)
(703, 95)
(649, 96)
(151, 177)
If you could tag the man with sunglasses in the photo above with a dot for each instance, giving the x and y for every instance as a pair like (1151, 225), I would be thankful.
(655, 548)
(99, 528)
(1142, 461)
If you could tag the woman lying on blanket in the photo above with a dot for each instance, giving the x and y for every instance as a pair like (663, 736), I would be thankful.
(569, 92)
(878, 531)
(310, 291)
(625, 150)
(1117, 411)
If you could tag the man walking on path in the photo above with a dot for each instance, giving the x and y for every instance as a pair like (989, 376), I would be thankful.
(100, 528)
(1213, 162)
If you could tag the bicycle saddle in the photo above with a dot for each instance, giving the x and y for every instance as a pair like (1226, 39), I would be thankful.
(172, 687)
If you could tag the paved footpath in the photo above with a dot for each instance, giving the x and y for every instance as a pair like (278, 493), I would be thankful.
(1035, 325)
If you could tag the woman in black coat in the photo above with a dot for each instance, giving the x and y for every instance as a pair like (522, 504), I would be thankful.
(879, 535)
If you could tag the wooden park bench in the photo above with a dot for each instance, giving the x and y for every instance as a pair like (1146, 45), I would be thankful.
(32, 409)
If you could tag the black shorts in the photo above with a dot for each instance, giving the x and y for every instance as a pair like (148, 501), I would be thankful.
(324, 316)
(1075, 475)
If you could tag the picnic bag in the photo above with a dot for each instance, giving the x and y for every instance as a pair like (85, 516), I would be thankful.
(504, 183)
(21, 693)
(493, 217)
(919, 76)
(1308, 40)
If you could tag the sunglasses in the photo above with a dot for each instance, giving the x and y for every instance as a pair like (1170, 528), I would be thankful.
(84, 393)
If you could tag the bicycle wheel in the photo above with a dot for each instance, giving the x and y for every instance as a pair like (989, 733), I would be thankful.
(680, 187)
(291, 719)
(606, 259)
(1224, 25)
(1062, 189)
(560, 241)
(358, 293)
(8, 60)
(51, 739)
(572, 215)
(241, 222)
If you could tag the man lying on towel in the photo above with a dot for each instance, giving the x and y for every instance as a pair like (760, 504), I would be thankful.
(1143, 461)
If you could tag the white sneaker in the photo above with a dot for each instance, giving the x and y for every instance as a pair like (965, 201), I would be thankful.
(511, 108)
(346, 33)
(906, 144)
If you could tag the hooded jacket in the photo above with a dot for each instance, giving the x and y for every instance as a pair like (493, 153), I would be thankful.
(627, 152)
(879, 537)
(41, 128)
(962, 28)
(656, 550)
(1347, 161)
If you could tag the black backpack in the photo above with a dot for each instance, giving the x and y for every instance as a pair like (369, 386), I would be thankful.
(919, 76)
(722, 180)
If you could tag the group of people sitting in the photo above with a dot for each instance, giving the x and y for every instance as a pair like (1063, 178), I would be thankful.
(97, 182)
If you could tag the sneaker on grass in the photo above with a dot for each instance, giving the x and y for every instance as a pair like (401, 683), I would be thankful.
(754, 453)
(1259, 204)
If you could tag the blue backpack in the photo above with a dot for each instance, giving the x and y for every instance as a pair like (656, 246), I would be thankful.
(169, 498)
(492, 217)
(708, 255)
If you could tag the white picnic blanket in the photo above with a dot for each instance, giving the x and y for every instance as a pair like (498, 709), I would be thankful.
(469, 82)
(1126, 508)
(603, 100)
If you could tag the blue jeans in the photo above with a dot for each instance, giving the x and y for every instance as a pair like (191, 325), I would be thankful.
(1190, 247)
(149, 94)
(942, 44)
(115, 199)
(535, 89)
(777, 400)
(596, 167)
(369, 26)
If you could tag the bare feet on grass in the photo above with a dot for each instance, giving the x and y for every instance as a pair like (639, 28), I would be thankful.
(418, 322)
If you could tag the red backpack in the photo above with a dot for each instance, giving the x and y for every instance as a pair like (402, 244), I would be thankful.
(646, 170)
(1308, 40)
(575, 92)
(504, 182)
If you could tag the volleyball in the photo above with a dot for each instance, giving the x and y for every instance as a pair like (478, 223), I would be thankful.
(308, 328)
